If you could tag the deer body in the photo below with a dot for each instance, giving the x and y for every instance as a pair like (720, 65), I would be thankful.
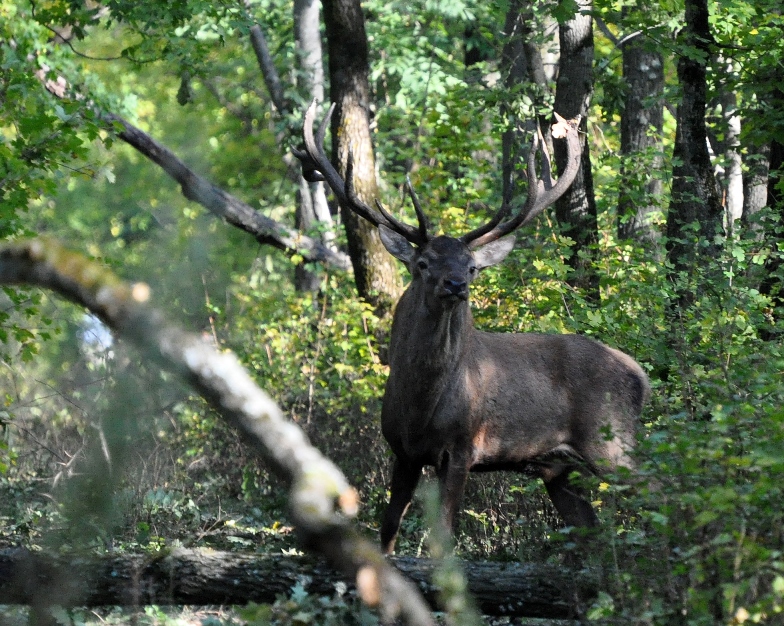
(464, 400)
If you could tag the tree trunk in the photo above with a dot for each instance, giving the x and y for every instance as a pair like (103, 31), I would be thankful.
(312, 206)
(755, 185)
(695, 212)
(732, 177)
(199, 577)
(641, 129)
(771, 286)
(576, 209)
(530, 55)
(515, 65)
(375, 271)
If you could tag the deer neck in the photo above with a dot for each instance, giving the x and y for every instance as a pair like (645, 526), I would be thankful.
(428, 344)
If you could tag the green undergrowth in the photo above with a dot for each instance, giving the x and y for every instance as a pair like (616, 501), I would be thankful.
(694, 538)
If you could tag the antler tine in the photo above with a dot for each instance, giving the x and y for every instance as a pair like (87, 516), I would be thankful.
(321, 133)
(491, 230)
(421, 219)
(477, 233)
(412, 234)
(317, 166)
(315, 163)
(561, 129)
(354, 201)
(541, 192)
(315, 158)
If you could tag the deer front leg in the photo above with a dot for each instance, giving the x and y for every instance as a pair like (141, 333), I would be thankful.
(405, 477)
(452, 475)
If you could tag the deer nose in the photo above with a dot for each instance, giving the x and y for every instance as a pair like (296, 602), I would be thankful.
(455, 287)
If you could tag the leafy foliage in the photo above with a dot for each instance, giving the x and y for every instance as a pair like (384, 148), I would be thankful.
(696, 540)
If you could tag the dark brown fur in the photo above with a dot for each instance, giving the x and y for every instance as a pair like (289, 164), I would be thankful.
(465, 400)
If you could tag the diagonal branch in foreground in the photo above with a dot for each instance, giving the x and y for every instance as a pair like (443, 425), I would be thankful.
(320, 498)
(223, 204)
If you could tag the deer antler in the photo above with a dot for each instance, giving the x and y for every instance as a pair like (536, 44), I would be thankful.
(317, 166)
(542, 192)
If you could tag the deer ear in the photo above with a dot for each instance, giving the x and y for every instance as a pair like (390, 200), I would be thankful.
(493, 252)
(397, 245)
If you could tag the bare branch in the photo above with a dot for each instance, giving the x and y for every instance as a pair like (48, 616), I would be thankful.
(216, 200)
(223, 204)
(268, 69)
(320, 497)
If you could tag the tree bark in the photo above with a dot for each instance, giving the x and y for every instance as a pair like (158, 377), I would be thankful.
(771, 286)
(641, 129)
(695, 212)
(312, 206)
(755, 186)
(375, 271)
(732, 177)
(515, 66)
(199, 577)
(576, 209)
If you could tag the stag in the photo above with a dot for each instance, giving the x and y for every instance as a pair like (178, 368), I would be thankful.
(463, 400)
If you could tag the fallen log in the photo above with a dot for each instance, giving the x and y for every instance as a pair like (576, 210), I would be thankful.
(207, 577)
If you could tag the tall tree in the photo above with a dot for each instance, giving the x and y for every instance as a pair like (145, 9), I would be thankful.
(771, 285)
(515, 64)
(375, 271)
(641, 128)
(312, 207)
(695, 211)
(576, 209)
(755, 183)
(730, 174)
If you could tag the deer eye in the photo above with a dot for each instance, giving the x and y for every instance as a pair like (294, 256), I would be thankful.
(472, 269)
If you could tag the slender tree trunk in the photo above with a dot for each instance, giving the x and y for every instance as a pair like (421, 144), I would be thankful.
(538, 56)
(772, 284)
(695, 212)
(725, 140)
(755, 187)
(514, 62)
(576, 209)
(375, 271)
(732, 178)
(312, 206)
(641, 129)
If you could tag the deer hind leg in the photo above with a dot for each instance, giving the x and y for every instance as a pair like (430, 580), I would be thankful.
(404, 481)
(569, 502)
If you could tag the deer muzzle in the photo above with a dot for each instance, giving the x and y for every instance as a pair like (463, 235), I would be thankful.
(454, 289)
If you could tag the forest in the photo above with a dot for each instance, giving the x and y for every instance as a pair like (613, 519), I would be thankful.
(195, 325)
